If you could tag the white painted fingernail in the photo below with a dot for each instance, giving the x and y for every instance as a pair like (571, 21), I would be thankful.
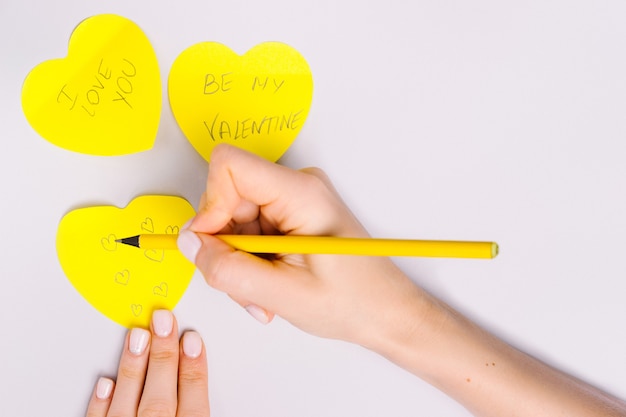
(258, 313)
(192, 344)
(104, 388)
(138, 341)
(162, 322)
(189, 244)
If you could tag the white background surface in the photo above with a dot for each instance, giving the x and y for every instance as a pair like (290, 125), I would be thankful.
(482, 120)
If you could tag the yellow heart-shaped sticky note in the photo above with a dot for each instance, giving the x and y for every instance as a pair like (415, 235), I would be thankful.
(123, 282)
(104, 98)
(258, 101)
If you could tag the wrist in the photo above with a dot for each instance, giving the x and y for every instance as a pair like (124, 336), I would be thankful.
(408, 326)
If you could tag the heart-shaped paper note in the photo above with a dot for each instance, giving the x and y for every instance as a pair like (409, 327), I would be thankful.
(104, 98)
(258, 101)
(123, 282)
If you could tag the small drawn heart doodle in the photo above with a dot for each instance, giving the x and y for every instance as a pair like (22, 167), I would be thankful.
(136, 309)
(155, 255)
(161, 289)
(122, 277)
(172, 230)
(147, 225)
(109, 243)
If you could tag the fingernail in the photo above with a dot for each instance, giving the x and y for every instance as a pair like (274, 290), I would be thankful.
(104, 388)
(192, 344)
(258, 313)
(138, 341)
(189, 244)
(162, 322)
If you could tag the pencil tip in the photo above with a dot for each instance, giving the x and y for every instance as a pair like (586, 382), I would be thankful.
(131, 241)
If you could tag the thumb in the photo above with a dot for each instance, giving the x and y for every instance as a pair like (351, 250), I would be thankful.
(249, 280)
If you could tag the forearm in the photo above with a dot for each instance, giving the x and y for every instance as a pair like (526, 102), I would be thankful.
(359, 299)
(484, 374)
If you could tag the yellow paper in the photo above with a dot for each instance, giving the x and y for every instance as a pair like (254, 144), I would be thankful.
(123, 282)
(104, 98)
(258, 101)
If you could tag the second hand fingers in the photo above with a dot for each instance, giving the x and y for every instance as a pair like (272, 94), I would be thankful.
(193, 384)
(131, 374)
(160, 390)
(100, 398)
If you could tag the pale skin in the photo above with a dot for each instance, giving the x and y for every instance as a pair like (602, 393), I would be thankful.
(366, 301)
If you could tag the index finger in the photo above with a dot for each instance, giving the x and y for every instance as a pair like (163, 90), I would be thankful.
(288, 199)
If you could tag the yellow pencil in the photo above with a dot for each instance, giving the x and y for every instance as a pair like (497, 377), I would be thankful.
(333, 245)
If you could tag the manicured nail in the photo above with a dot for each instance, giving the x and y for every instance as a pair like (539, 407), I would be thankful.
(104, 388)
(192, 344)
(258, 313)
(189, 244)
(162, 322)
(138, 341)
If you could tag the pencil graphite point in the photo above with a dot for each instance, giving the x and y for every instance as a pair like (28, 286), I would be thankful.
(132, 241)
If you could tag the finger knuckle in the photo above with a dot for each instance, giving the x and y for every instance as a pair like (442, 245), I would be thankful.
(317, 184)
(193, 412)
(93, 413)
(166, 355)
(157, 408)
(130, 372)
(222, 153)
(192, 376)
(316, 172)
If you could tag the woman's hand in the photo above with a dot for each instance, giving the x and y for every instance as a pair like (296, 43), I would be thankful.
(358, 299)
(157, 375)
